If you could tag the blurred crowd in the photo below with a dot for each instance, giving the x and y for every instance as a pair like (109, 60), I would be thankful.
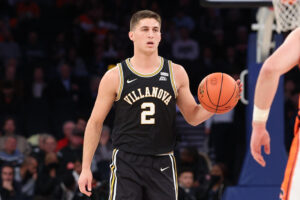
(53, 54)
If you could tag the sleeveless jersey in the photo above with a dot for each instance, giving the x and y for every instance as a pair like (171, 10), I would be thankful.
(145, 110)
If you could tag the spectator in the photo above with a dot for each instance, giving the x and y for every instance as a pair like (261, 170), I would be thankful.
(48, 177)
(47, 144)
(217, 182)
(182, 20)
(33, 50)
(104, 149)
(9, 189)
(67, 188)
(103, 154)
(185, 183)
(9, 48)
(9, 129)
(27, 176)
(65, 96)
(36, 88)
(76, 63)
(190, 158)
(81, 124)
(67, 129)
(10, 102)
(59, 48)
(69, 153)
(10, 153)
(10, 75)
(185, 48)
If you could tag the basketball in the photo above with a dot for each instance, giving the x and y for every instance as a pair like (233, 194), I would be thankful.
(218, 93)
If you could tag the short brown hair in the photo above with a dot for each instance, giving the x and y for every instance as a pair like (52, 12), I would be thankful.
(136, 17)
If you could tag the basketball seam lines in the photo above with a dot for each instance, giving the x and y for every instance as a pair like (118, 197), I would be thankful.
(213, 107)
(220, 93)
(208, 93)
(230, 97)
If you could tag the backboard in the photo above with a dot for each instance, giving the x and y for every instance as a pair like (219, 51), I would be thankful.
(235, 3)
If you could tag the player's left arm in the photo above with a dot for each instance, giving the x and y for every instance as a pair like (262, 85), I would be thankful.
(192, 112)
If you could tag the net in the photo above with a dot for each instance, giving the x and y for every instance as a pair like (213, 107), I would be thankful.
(287, 14)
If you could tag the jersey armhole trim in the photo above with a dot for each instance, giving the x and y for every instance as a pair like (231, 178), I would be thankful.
(121, 84)
(172, 79)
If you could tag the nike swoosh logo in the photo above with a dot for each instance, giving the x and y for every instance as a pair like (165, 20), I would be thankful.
(130, 81)
(163, 169)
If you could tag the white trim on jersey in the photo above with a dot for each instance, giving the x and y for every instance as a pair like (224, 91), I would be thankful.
(121, 84)
(174, 175)
(113, 177)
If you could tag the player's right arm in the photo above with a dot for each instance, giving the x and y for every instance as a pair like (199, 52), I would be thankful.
(107, 92)
(282, 60)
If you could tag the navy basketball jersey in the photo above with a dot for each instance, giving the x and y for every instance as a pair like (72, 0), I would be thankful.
(145, 110)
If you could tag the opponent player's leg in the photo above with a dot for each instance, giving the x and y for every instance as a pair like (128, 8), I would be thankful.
(124, 183)
(161, 180)
(290, 185)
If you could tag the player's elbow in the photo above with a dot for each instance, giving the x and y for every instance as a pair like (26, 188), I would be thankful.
(269, 68)
(94, 124)
(194, 122)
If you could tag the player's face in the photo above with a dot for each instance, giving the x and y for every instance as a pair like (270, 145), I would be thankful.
(146, 35)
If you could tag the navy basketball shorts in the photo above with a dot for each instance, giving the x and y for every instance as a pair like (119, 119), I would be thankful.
(142, 177)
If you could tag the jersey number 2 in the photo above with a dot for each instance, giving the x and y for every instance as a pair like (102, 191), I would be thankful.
(148, 111)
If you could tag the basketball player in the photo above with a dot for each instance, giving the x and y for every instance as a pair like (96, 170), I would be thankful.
(145, 90)
(281, 61)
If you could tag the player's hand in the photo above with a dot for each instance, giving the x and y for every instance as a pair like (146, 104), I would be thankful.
(240, 86)
(85, 182)
(259, 137)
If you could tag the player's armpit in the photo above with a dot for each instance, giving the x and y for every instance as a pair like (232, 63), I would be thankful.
(193, 113)
(107, 93)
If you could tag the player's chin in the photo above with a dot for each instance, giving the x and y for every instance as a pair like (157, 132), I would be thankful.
(150, 50)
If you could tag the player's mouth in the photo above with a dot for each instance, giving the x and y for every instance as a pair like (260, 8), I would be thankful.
(150, 44)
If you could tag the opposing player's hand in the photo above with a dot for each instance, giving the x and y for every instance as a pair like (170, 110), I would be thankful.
(85, 182)
(240, 86)
(259, 137)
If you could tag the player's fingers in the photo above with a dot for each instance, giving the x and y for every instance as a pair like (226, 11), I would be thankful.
(267, 148)
(89, 186)
(83, 188)
(258, 157)
(256, 154)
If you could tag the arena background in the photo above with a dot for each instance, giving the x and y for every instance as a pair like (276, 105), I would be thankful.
(52, 57)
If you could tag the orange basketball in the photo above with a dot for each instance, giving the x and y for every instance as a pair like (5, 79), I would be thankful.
(218, 92)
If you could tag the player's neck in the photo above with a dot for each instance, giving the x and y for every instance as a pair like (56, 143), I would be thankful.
(144, 62)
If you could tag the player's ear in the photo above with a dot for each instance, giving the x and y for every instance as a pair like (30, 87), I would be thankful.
(159, 37)
(130, 34)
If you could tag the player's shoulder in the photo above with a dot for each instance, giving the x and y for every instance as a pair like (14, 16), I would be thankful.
(111, 78)
(113, 73)
(178, 69)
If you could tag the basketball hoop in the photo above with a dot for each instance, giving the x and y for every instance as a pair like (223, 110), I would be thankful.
(264, 28)
(287, 14)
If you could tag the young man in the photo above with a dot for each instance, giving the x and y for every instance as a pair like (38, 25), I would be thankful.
(281, 61)
(145, 90)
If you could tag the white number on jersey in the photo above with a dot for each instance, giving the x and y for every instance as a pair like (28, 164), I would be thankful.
(148, 111)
